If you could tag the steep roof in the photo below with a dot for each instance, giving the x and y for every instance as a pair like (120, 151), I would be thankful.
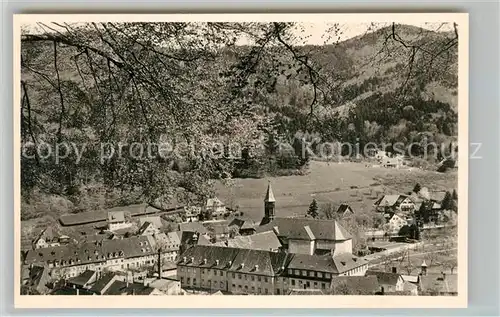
(389, 200)
(357, 284)
(48, 234)
(145, 226)
(155, 220)
(234, 260)
(242, 224)
(269, 194)
(91, 252)
(214, 203)
(83, 278)
(39, 277)
(102, 282)
(439, 283)
(193, 227)
(260, 241)
(343, 208)
(385, 278)
(326, 263)
(121, 288)
(293, 228)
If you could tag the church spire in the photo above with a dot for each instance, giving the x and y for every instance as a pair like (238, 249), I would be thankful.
(269, 194)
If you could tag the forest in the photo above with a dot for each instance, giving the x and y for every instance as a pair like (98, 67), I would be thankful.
(192, 86)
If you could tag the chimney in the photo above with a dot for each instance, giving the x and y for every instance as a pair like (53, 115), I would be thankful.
(394, 269)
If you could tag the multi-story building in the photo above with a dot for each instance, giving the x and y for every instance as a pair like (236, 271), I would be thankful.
(243, 271)
(115, 255)
(117, 220)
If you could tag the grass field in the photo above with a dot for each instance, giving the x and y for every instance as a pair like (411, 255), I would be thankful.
(329, 182)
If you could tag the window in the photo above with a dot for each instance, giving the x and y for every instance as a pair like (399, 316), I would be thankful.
(293, 282)
(221, 273)
(327, 275)
(194, 281)
(234, 275)
(182, 280)
(315, 284)
(258, 278)
(221, 284)
(323, 285)
(202, 282)
(265, 279)
(265, 291)
(253, 288)
(311, 273)
(203, 271)
(234, 285)
(322, 275)
(303, 273)
(209, 283)
(188, 280)
(246, 287)
(245, 277)
(297, 272)
(277, 291)
(239, 276)
(253, 278)
(315, 274)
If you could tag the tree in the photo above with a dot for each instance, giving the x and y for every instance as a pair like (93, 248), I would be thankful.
(313, 209)
(329, 211)
(454, 195)
(417, 188)
(447, 201)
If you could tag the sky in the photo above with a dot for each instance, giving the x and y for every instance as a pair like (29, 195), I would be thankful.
(312, 33)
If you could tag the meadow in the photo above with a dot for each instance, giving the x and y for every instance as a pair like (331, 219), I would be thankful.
(347, 182)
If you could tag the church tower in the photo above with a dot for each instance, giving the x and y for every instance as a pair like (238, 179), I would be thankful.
(269, 206)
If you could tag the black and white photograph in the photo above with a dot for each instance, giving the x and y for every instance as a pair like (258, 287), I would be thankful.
(273, 157)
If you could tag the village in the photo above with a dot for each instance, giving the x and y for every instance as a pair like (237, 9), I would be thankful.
(217, 249)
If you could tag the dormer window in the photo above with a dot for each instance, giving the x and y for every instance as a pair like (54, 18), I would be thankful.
(256, 267)
(242, 265)
(216, 262)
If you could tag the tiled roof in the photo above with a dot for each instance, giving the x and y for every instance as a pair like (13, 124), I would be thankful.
(144, 226)
(260, 241)
(326, 263)
(385, 278)
(193, 227)
(390, 200)
(83, 278)
(155, 220)
(102, 282)
(235, 260)
(437, 196)
(121, 288)
(343, 208)
(293, 228)
(439, 283)
(357, 284)
(214, 203)
(91, 252)
(116, 216)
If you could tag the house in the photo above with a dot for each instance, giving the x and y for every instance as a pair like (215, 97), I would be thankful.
(38, 279)
(189, 239)
(310, 236)
(166, 286)
(392, 162)
(355, 285)
(395, 203)
(396, 222)
(217, 229)
(117, 221)
(261, 241)
(193, 227)
(192, 213)
(437, 196)
(83, 280)
(102, 284)
(155, 220)
(118, 287)
(345, 210)
(388, 281)
(246, 271)
(169, 243)
(49, 237)
(114, 255)
(438, 284)
(215, 207)
(245, 227)
(148, 229)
